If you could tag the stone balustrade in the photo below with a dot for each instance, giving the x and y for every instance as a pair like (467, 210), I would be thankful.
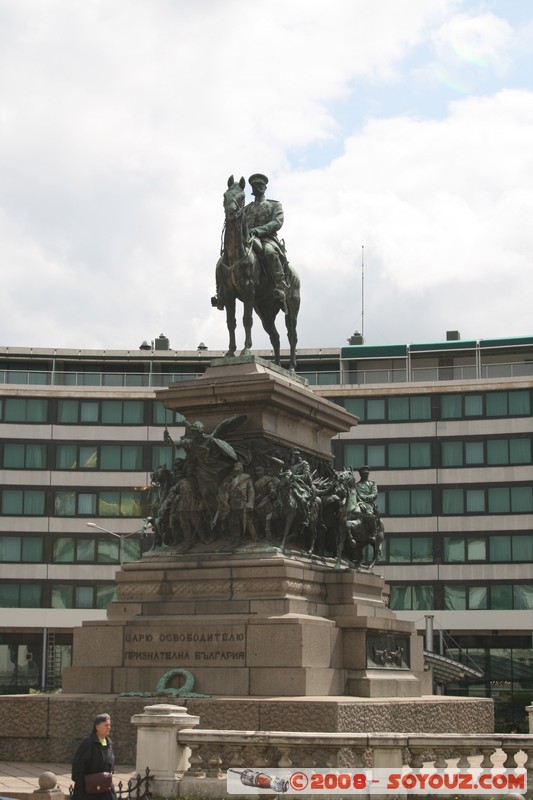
(213, 752)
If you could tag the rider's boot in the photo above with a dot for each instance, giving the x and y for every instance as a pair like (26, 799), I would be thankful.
(280, 285)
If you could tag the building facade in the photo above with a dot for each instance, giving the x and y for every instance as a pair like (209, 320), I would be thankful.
(445, 427)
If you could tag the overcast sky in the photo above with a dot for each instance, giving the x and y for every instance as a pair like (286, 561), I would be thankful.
(401, 126)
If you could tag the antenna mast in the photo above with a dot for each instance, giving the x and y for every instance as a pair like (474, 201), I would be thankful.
(363, 292)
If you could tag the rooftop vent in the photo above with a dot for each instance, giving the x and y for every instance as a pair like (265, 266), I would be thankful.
(452, 336)
(356, 338)
(162, 342)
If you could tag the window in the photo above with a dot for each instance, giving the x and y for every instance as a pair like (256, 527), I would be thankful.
(69, 503)
(409, 502)
(21, 549)
(29, 409)
(24, 456)
(410, 550)
(409, 454)
(23, 502)
(164, 416)
(489, 452)
(20, 595)
(106, 412)
(406, 597)
(163, 456)
(491, 404)
(67, 595)
(392, 409)
(106, 457)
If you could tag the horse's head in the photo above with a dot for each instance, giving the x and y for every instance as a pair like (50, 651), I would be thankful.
(234, 198)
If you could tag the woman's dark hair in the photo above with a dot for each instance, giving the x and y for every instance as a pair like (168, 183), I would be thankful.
(100, 718)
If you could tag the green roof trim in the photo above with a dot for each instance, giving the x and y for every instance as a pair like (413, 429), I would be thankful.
(454, 344)
(355, 351)
(506, 342)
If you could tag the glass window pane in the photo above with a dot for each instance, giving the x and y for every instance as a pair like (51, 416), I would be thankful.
(499, 548)
(398, 408)
(522, 547)
(62, 596)
(110, 456)
(399, 502)
(476, 549)
(499, 500)
(475, 501)
(10, 548)
(477, 597)
(501, 597)
(85, 550)
(420, 407)
(375, 456)
(163, 455)
(355, 405)
(375, 408)
(87, 504)
(420, 455)
(453, 550)
(63, 551)
(497, 451)
(133, 412)
(421, 504)
(88, 457)
(13, 456)
(474, 453)
(496, 404)
(452, 454)
(423, 597)
(452, 501)
(399, 550)
(523, 597)
(67, 412)
(105, 595)
(132, 457)
(65, 504)
(519, 403)
(108, 504)
(473, 405)
(35, 456)
(37, 410)
(454, 598)
(112, 412)
(9, 595)
(521, 499)
(400, 597)
(12, 501)
(30, 595)
(398, 455)
(32, 549)
(421, 549)
(108, 550)
(34, 502)
(88, 412)
(130, 504)
(84, 597)
(451, 406)
(67, 456)
(520, 451)
(132, 549)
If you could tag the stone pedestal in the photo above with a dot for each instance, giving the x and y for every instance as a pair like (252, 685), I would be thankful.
(256, 624)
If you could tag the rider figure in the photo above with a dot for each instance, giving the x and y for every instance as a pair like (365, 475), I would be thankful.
(264, 218)
(367, 494)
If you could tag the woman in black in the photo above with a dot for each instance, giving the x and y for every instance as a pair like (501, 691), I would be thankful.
(94, 754)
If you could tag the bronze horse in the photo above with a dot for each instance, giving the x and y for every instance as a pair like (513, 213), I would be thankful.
(244, 278)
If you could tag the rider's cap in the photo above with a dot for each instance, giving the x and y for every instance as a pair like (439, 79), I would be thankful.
(363, 469)
(257, 178)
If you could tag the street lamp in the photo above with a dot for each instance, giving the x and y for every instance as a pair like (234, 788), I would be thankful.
(120, 536)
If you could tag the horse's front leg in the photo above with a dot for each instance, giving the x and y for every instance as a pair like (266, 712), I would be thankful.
(248, 297)
(231, 322)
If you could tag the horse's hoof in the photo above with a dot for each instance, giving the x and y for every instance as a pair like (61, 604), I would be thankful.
(245, 352)
(230, 354)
